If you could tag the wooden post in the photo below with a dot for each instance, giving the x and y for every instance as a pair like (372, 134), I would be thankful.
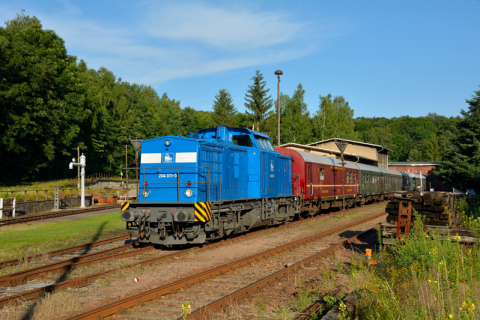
(36, 195)
(46, 194)
(25, 196)
(63, 194)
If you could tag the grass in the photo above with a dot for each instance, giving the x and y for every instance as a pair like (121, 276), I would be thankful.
(18, 241)
(421, 277)
(470, 212)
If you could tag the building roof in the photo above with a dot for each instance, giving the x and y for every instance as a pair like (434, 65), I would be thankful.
(352, 142)
(414, 164)
(291, 144)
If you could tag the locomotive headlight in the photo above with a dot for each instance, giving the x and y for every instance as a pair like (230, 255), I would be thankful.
(145, 192)
(188, 193)
(167, 143)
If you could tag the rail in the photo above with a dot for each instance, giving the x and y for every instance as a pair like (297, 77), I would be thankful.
(178, 182)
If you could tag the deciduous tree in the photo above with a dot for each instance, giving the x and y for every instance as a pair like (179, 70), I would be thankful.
(334, 118)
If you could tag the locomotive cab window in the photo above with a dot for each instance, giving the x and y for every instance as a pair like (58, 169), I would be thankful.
(242, 140)
(268, 144)
(260, 142)
(322, 174)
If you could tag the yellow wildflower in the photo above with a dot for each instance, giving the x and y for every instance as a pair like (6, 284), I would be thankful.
(450, 316)
(457, 238)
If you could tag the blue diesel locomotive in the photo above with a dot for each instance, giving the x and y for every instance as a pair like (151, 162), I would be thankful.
(217, 182)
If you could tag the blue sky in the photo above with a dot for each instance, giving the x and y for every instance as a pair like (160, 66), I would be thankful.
(387, 58)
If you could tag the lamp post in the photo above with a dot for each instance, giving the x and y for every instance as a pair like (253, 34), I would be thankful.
(81, 164)
(278, 73)
(342, 145)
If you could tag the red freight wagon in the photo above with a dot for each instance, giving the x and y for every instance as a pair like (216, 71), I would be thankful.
(319, 178)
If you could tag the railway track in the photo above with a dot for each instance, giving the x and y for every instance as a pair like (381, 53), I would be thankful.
(49, 215)
(125, 251)
(214, 290)
(59, 252)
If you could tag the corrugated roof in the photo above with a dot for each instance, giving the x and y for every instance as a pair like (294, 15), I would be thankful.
(291, 144)
(351, 141)
(414, 163)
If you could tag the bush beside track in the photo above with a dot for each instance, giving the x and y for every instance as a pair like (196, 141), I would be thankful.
(20, 240)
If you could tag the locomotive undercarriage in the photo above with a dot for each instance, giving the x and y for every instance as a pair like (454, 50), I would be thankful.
(177, 223)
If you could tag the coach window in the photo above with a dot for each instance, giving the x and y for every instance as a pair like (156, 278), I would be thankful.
(322, 174)
(309, 174)
(354, 177)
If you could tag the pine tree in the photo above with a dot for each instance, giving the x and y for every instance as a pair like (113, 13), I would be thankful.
(257, 101)
(461, 165)
(224, 110)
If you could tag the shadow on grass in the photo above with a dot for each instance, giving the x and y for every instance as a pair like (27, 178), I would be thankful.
(48, 289)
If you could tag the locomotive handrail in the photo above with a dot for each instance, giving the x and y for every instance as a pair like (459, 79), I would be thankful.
(178, 182)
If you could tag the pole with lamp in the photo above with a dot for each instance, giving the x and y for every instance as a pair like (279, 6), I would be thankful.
(81, 164)
(278, 73)
(342, 145)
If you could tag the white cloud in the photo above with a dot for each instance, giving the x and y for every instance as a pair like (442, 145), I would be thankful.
(181, 39)
(230, 28)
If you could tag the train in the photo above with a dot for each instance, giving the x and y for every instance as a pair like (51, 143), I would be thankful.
(224, 181)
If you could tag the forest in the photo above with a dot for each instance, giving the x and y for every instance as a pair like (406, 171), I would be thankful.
(52, 102)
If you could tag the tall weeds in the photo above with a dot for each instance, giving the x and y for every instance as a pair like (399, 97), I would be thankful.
(422, 277)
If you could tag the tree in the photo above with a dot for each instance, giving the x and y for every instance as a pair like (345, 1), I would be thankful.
(223, 109)
(41, 99)
(295, 121)
(461, 165)
(257, 101)
(415, 156)
(334, 118)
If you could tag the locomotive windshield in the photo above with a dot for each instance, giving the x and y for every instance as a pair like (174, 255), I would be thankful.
(264, 143)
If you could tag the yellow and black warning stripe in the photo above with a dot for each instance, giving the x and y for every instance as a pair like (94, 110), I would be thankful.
(124, 205)
(203, 211)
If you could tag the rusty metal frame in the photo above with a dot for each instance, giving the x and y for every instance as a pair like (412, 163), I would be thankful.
(404, 219)
(122, 305)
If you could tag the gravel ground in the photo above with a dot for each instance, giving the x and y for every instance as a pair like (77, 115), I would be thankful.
(121, 284)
